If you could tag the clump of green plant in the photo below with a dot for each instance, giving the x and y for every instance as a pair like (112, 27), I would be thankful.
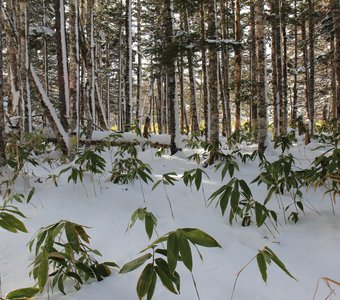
(264, 258)
(9, 219)
(237, 195)
(127, 168)
(325, 172)
(165, 253)
(163, 261)
(62, 253)
(19, 151)
(280, 178)
(285, 141)
(143, 215)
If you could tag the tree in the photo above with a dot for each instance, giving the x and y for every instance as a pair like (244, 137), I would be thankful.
(261, 75)
(2, 113)
(213, 80)
(169, 58)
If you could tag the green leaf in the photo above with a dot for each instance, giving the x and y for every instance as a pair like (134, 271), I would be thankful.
(23, 293)
(148, 225)
(172, 252)
(145, 280)
(245, 188)
(72, 236)
(152, 286)
(199, 237)
(134, 264)
(198, 178)
(43, 269)
(261, 262)
(277, 261)
(75, 276)
(61, 284)
(13, 221)
(82, 233)
(184, 249)
(259, 214)
(166, 281)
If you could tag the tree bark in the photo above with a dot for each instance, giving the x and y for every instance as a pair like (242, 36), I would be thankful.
(238, 66)
(213, 82)
(261, 73)
(2, 112)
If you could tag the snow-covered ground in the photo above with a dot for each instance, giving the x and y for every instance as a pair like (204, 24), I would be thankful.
(309, 248)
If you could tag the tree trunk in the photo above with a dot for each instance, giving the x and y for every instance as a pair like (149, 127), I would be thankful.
(238, 66)
(128, 64)
(26, 124)
(311, 80)
(169, 59)
(225, 68)
(213, 82)
(284, 98)
(193, 105)
(2, 113)
(204, 75)
(74, 74)
(295, 87)
(336, 25)
(261, 73)
(253, 77)
(59, 7)
(139, 71)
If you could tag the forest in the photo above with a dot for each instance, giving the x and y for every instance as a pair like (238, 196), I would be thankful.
(214, 123)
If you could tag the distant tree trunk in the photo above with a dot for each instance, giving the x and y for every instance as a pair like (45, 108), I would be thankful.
(213, 80)
(261, 73)
(238, 66)
(74, 73)
(59, 7)
(128, 64)
(305, 61)
(13, 92)
(193, 105)
(336, 25)
(170, 58)
(26, 124)
(253, 104)
(2, 113)
(311, 80)
(204, 74)
(333, 79)
(284, 99)
(295, 87)
(225, 67)
(139, 62)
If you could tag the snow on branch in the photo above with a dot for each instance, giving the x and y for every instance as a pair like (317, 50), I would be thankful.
(49, 106)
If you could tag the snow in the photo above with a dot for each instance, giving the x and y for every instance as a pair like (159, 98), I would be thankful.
(33, 30)
(309, 249)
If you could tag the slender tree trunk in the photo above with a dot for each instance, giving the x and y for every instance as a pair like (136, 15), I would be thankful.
(170, 58)
(284, 99)
(60, 61)
(238, 66)
(10, 27)
(295, 87)
(205, 75)
(213, 81)
(253, 77)
(311, 81)
(139, 71)
(225, 67)
(333, 80)
(276, 58)
(2, 113)
(128, 64)
(193, 105)
(336, 24)
(73, 74)
(26, 124)
(261, 73)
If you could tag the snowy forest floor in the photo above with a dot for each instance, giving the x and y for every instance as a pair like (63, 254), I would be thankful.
(309, 248)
